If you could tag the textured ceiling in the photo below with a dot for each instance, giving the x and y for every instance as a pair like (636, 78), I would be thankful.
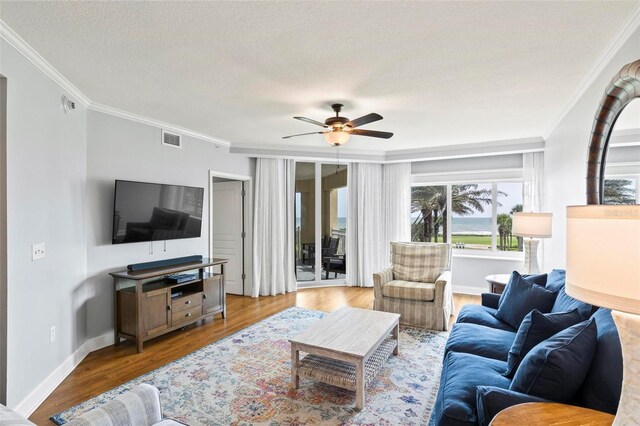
(441, 73)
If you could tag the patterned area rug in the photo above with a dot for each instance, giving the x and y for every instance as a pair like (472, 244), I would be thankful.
(244, 379)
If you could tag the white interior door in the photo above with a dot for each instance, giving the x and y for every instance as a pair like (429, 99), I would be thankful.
(227, 230)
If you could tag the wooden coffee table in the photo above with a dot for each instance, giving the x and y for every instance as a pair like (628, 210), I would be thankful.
(347, 348)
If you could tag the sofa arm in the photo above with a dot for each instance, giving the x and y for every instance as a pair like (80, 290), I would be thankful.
(490, 300)
(490, 400)
(380, 279)
(140, 406)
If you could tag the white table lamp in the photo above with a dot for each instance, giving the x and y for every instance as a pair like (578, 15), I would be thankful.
(532, 226)
(603, 268)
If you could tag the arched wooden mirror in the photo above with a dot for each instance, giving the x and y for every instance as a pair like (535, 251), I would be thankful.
(622, 91)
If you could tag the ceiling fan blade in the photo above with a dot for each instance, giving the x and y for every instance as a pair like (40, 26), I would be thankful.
(372, 133)
(308, 120)
(302, 134)
(366, 119)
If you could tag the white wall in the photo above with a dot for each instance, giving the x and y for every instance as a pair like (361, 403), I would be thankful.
(61, 171)
(566, 153)
(468, 272)
(123, 149)
(46, 203)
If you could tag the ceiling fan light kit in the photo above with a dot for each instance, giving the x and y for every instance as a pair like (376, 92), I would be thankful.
(336, 137)
(340, 129)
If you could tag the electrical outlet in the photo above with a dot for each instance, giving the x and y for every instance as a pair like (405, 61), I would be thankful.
(37, 251)
(52, 334)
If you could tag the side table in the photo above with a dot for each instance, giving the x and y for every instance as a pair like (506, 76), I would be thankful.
(550, 414)
(497, 282)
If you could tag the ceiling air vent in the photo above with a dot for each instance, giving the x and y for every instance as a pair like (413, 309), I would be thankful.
(171, 139)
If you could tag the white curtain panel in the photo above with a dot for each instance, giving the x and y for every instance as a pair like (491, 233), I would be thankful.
(533, 185)
(396, 195)
(273, 227)
(533, 188)
(378, 212)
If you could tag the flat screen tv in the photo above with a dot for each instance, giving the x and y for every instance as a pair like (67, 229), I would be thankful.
(155, 212)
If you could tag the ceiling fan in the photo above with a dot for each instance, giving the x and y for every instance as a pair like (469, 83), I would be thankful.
(339, 129)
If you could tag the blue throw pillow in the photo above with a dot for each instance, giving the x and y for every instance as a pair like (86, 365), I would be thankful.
(564, 303)
(540, 279)
(556, 280)
(522, 296)
(535, 328)
(556, 368)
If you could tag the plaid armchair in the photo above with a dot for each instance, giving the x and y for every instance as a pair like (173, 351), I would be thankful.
(417, 286)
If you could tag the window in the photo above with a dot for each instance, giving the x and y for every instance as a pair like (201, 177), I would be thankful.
(480, 218)
(471, 216)
(621, 190)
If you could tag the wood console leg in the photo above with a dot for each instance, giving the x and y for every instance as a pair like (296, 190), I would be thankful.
(295, 359)
(360, 384)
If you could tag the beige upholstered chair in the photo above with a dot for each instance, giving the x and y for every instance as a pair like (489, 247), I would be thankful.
(418, 285)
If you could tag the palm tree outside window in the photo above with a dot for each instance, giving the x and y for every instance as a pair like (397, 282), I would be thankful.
(480, 218)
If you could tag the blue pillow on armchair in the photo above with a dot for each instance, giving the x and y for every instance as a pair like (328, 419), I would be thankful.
(535, 328)
(540, 279)
(556, 368)
(522, 296)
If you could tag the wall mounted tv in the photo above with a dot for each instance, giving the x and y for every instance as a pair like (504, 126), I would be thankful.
(155, 212)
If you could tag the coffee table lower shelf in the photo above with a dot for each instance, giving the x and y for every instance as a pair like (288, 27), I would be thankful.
(342, 373)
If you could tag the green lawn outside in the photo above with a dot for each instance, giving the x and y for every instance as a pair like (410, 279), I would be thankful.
(480, 240)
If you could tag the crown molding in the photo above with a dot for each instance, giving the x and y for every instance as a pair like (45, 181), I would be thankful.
(93, 106)
(477, 149)
(42, 64)
(621, 37)
(310, 154)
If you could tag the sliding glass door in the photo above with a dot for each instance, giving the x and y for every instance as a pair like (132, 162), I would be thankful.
(305, 232)
(321, 222)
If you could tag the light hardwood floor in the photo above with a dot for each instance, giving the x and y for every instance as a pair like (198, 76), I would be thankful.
(114, 365)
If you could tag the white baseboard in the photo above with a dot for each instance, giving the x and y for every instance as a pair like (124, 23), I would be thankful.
(28, 405)
(467, 289)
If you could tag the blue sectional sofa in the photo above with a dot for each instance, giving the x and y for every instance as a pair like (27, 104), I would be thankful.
(474, 386)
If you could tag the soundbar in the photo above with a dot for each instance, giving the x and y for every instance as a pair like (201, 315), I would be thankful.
(162, 263)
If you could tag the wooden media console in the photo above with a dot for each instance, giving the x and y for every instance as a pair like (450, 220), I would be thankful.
(148, 304)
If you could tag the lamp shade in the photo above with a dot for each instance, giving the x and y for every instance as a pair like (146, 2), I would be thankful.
(337, 137)
(603, 255)
(534, 225)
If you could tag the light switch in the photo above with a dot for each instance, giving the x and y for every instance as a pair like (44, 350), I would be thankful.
(37, 251)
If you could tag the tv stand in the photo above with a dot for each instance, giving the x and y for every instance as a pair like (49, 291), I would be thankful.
(148, 305)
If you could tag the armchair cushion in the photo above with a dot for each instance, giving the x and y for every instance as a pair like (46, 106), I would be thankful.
(481, 315)
(520, 297)
(535, 328)
(409, 290)
(556, 368)
(479, 340)
(419, 262)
